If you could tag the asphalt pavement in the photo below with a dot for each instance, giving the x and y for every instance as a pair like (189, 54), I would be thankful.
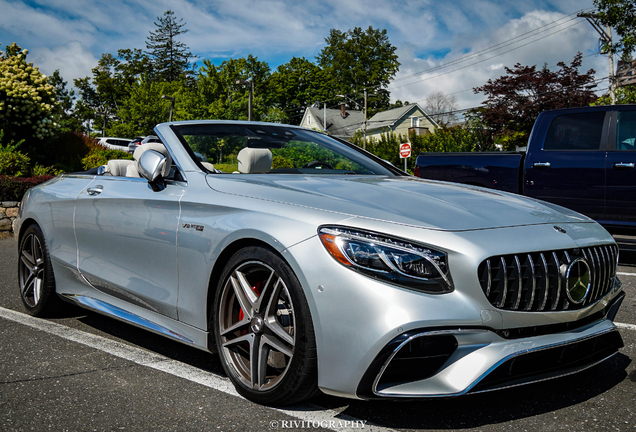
(84, 372)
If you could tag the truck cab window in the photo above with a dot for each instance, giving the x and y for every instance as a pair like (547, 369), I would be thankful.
(626, 132)
(581, 131)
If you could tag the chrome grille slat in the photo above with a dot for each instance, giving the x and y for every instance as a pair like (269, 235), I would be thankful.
(535, 281)
(546, 278)
(555, 299)
(519, 284)
(534, 284)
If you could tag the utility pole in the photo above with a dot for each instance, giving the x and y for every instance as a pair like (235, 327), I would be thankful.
(249, 102)
(324, 117)
(171, 99)
(364, 145)
(606, 38)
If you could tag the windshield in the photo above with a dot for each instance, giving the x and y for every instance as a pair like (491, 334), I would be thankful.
(264, 149)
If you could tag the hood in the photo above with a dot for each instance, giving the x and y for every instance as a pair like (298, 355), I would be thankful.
(404, 200)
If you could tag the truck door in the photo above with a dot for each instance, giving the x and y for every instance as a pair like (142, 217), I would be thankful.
(569, 168)
(620, 203)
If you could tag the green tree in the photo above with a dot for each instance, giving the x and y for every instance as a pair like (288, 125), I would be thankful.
(27, 99)
(296, 85)
(170, 57)
(64, 113)
(143, 109)
(358, 59)
(624, 95)
(101, 95)
(621, 15)
(224, 98)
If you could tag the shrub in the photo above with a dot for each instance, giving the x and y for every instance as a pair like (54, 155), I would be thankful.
(14, 188)
(100, 156)
(65, 151)
(12, 161)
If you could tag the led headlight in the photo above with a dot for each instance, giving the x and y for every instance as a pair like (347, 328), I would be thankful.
(394, 260)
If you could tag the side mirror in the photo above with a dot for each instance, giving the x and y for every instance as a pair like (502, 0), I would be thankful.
(150, 166)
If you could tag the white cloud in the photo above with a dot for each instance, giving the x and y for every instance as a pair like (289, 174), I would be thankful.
(73, 60)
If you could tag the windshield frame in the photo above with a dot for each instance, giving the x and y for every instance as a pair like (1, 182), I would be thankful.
(364, 154)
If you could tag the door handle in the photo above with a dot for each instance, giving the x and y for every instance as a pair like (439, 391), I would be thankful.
(95, 190)
(624, 165)
(541, 165)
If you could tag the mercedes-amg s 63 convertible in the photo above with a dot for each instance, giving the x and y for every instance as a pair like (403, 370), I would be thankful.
(312, 265)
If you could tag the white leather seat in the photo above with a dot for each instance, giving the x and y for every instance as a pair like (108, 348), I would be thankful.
(132, 169)
(254, 160)
(117, 167)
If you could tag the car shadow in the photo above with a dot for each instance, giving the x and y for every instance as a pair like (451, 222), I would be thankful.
(441, 413)
(153, 342)
(478, 410)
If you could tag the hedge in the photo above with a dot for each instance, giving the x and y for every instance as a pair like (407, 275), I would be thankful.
(14, 188)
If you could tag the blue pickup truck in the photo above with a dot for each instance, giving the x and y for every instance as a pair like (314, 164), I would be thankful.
(580, 158)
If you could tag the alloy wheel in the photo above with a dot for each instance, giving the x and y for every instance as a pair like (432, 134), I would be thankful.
(31, 270)
(256, 325)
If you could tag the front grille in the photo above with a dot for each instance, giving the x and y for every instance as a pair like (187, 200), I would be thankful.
(535, 281)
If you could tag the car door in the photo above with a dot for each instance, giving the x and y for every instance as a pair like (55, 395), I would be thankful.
(569, 169)
(126, 239)
(621, 171)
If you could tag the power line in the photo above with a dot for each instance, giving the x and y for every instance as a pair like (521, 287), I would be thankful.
(491, 48)
(481, 61)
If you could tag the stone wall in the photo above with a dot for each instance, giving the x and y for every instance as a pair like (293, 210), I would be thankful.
(8, 213)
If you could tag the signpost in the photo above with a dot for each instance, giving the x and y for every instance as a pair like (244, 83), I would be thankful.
(405, 152)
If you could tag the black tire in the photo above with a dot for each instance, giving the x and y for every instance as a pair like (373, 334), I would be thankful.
(35, 275)
(261, 313)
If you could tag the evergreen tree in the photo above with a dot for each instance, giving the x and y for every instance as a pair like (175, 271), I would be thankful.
(169, 56)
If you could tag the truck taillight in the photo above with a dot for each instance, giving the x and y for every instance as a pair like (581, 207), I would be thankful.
(416, 171)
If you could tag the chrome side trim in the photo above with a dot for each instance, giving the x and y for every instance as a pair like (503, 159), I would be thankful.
(122, 315)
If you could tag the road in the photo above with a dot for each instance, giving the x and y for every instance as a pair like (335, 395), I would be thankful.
(84, 372)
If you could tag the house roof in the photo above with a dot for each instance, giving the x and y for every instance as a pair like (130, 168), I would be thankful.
(336, 124)
(389, 118)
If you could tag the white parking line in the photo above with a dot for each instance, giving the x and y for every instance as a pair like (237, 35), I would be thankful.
(310, 415)
(625, 274)
(625, 326)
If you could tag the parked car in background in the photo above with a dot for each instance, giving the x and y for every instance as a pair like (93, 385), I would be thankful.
(142, 140)
(114, 143)
(580, 158)
(332, 271)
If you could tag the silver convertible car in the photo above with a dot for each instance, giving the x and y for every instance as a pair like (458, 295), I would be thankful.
(316, 266)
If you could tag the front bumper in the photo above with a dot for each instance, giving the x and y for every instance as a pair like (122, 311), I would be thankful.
(453, 362)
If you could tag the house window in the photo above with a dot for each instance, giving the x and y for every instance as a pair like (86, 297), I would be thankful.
(415, 122)
(309, 119)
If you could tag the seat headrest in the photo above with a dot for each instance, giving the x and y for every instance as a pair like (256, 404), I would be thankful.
(158, 147)
(254, 160)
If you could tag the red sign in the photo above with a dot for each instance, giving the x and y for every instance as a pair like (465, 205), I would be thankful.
(405, 150)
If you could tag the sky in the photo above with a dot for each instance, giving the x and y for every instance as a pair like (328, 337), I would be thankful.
(443, 45)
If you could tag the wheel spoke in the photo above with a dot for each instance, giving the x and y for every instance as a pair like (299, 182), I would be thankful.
(35, 249)
(258, 362)
(277, 345)
(244, 301)
(246, 288)
(27, 259)
(249, 338)
(37, 290)
(279, 331)
(266, 292)
(236, 326)
(27, 289)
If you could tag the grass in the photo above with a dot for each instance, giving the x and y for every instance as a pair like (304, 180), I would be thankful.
(227, 167)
